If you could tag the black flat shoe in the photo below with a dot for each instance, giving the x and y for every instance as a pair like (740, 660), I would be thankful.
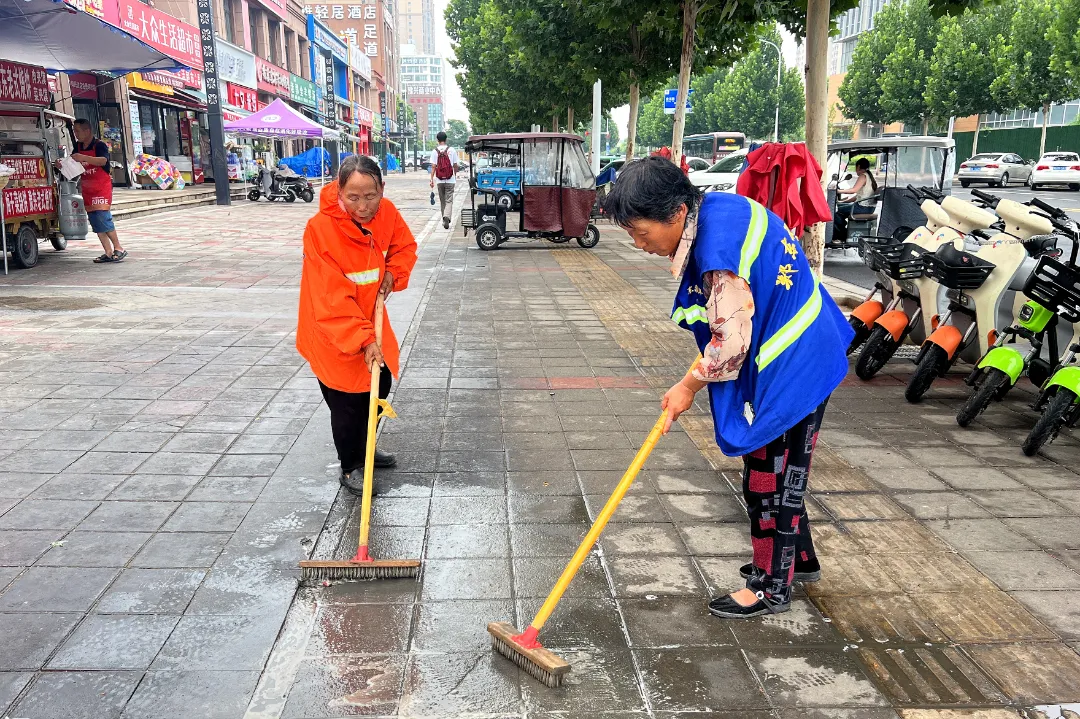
(808, 571)
(727, 608)
(354, 482)
(384, 460)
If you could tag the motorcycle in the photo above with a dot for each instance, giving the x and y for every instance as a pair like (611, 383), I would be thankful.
(281, 184)
(976, 282)
(1001, 367)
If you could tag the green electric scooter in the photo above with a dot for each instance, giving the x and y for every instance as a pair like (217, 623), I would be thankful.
(1057, 285)
(1001, 367)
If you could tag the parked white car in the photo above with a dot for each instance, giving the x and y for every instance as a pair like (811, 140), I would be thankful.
(995, 168)
(1056, 168)
(722, 176)
(696, 164)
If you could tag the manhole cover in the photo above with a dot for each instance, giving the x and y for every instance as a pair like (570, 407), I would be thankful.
(19, 302)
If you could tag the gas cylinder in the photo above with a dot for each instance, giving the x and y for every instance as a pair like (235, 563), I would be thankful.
(74, 225)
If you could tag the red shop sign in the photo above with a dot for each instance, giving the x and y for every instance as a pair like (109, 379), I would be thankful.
(161, 77)
(23, 83)
(190, 78)
(271, 78)
(242, 97)
(26, 168)
(162, 31)
(24, 201)
(83, 86)
(101, 9)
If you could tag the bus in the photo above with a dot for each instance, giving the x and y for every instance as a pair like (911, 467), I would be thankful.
(712, 146)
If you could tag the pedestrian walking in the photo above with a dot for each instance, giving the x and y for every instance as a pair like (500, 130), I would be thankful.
(97, 189)
(444, 162)
(355, 248)
(772, 346)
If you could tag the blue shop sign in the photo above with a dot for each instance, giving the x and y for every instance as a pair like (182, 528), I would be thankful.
(324, 37)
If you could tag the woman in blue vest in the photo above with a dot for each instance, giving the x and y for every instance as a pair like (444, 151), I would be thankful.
(772, 346)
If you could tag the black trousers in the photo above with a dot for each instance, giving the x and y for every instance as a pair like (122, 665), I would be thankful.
(349, 419)
(774, 485)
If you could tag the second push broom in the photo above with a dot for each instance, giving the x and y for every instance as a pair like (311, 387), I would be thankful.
(363, 565)
(523, 648)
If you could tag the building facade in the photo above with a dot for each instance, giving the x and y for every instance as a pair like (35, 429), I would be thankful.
(422, 79)
(416, 24)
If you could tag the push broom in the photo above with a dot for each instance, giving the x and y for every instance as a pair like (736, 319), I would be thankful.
(363, 565)
(523, 648)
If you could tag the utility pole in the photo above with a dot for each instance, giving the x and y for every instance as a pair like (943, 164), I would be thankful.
(597, 109)
(779, 68)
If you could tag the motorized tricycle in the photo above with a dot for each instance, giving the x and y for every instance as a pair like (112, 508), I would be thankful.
(558, 190)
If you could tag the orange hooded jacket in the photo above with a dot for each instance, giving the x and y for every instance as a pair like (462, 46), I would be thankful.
(343, 270)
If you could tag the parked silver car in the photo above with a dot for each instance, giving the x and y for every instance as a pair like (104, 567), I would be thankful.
(995, 168)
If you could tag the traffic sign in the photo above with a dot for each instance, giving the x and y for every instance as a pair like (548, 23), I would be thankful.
(670, 96)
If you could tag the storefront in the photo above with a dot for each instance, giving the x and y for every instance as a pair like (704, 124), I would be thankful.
(365, 120)
(171, 124)
(92, 99)
(330, 68)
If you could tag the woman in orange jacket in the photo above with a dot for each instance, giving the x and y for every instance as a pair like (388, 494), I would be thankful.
(357, 247)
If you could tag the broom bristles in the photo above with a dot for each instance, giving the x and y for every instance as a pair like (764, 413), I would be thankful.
(331, 571)
(528, 665)
(539, 663)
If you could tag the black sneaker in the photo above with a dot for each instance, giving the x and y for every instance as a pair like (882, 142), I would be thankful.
(446, 223)
(727, 608)
(354, 482)
(384, 460)
(808, 571)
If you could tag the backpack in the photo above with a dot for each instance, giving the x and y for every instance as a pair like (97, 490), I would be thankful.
(443, 169)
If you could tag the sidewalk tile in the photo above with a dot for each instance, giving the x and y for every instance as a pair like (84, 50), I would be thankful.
(95, 549)
(56, 589)
(30, 638)
(114, 642)
(77, 695)
(185, 694)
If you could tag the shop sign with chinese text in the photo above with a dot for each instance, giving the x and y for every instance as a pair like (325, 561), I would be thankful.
(26, 168)
(324, 37)
(26, 201)
(83, 86)
(242, 97)
(235, 65)
(162, 31)
(106, 10)
(364, 116)
(271, 78)
(23, 83)
(302, 91)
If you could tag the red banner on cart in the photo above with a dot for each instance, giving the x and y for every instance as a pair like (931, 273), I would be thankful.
(23, 83)
(26, 168)
(25, 201)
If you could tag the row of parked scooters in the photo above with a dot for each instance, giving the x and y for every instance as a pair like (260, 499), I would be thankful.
(941, 285)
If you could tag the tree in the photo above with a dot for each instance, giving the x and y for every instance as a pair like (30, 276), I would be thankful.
(907, 66)
(860, 93)
(964, 72)
(1043, 41)
(654, 126)
(457, 133)
(745, 101)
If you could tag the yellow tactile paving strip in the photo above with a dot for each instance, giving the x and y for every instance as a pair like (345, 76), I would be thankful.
(930, 627)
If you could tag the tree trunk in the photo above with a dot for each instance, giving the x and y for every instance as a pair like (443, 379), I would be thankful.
(975, 139)
(817, 117)
(554, 119)
(925, 125)
(631, 126)
(570, 119)
(1046, 118)
(686, 60)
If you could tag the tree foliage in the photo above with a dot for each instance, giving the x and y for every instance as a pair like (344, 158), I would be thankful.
(457, 133)
(1037, 35)
(964, 70)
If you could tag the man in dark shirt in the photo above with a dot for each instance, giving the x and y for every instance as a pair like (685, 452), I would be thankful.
(97, 189)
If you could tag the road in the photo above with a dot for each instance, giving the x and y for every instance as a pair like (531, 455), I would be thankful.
(850, 268)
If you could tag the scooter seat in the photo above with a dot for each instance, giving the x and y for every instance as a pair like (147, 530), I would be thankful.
(1040, 244)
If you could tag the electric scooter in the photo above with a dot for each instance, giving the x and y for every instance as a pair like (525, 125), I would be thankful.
(1056, 285)
(977, 282)
(916, 299)
(1001, 367)
(863, 317)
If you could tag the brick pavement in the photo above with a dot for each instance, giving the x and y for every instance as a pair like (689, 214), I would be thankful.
(159, 478)
(531, 375)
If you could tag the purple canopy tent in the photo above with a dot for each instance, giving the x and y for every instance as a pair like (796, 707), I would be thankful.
(280, 120)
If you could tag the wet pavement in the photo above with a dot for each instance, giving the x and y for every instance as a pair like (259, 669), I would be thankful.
(531, 375)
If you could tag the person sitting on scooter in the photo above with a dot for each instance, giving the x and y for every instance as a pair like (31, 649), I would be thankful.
(856, 200)
(772, 345)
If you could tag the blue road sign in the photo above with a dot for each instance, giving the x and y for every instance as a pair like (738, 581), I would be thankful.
(669, 100)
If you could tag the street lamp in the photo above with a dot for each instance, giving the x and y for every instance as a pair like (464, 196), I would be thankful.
(779, 67)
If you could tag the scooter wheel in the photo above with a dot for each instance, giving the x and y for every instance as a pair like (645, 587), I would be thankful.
(879, 348)
(992, 385)
(253, 195)
(1050, 422)
(929, 367)
(862, 332)
(290, 197)
(307, 195)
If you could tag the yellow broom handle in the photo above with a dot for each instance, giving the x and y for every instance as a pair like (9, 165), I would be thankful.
(601, 521)
(373, 411)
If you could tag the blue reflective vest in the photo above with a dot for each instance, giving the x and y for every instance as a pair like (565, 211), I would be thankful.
(797, 349)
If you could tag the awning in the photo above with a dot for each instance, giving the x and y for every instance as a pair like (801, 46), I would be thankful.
(279, 120)
(56, 36)
(177, 100)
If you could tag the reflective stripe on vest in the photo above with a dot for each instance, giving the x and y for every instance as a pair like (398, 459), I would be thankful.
(364, 278)
(691, 314)
(792, 329)
(755, 234)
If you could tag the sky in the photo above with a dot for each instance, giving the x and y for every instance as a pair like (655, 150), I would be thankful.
(454, 104)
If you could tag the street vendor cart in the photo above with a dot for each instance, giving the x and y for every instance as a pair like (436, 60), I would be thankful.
(37, 203)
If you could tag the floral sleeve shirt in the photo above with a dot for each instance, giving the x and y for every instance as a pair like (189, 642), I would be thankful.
(729, 310)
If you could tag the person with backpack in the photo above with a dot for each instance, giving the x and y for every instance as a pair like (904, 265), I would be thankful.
(444, 160)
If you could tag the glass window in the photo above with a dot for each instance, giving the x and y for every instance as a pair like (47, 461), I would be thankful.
(917, 166)
(541, 162)
(983, 157)
(172, 133)
(1057, 114)
(1071, 111)
(150, 123)
(731, 163)
(576, 171)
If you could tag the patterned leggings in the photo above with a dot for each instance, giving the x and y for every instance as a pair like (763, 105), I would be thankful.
(774, 482)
